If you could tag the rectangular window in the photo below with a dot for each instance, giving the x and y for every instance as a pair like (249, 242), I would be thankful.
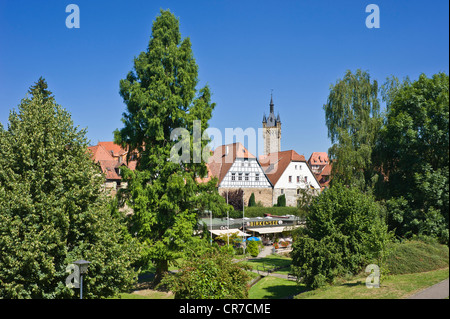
(298, 179)
(306, 179)
(290, 179)
(246, 176)
(233, 176)
(257, 177)
(282, 191)
(240, 177)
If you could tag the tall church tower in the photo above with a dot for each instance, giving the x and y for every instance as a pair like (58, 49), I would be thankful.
(271, 131)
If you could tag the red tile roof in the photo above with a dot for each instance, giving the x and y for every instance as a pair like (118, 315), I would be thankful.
(318, 158)
(107, 154)
(274, 164)
(223, 158)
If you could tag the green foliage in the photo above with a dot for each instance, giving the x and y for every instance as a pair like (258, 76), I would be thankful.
(413, 154)
(260, 211)
(353, 119)
(281, 201)
(251, 201)
(253, 248)
(305, 198)
(52, 210)
(345, 230)
(212, 275)
(160, 95)
(235, 198)
(413, 256)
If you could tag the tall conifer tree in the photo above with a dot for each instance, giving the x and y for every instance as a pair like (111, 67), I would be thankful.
(160, 95)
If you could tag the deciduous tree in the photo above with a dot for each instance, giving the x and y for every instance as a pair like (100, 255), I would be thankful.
(352, 114)
(52, 210)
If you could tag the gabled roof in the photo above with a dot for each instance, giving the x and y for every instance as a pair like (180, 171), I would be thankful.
(223, 158)
(318, 158)
(274, 164)
(106, 154)
(116, 150)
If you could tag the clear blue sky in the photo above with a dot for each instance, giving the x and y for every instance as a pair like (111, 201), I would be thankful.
(243, 49)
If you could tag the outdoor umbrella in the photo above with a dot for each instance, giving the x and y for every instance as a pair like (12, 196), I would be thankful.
(253, 238)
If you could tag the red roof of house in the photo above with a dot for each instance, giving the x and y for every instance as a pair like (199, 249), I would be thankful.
(107, 155)
(318, 158)
(223, 158)
(274, 164)
(116, 150)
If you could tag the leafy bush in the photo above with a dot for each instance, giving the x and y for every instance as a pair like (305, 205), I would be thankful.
(212, 275)
(253, 248)
(344, 232)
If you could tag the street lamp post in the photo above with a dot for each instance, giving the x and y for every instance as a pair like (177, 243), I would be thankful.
(228, 225)
(82, 266)
(210, 227)
(243, 225)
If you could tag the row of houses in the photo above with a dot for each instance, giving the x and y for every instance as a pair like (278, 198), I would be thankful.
(267, 177)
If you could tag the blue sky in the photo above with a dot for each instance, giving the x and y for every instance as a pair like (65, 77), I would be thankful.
(244, 49)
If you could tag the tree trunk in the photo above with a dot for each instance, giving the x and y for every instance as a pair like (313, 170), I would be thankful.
(162, 268)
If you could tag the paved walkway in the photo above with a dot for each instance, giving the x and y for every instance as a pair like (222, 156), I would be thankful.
(438, 291)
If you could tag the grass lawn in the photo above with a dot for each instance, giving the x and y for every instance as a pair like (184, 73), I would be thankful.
(274, 288)
(146, 294)
(283, 263)
(393, 287)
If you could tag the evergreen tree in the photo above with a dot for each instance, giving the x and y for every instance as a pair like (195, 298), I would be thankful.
(252, 201)
(41, 87)
(52, 211)
(160, 96)
(281, 201)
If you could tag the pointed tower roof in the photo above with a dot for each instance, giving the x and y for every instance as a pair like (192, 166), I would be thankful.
(271, 103)
(271, 120)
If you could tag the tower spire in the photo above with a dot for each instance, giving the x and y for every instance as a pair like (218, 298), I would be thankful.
(271, 101)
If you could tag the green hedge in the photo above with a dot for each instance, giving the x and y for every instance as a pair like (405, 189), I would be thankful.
(260, 211)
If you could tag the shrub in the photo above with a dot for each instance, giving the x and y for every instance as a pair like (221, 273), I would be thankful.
(251, 201)
(281, 201)
(253, 248)
(212, 275)
(344, 232)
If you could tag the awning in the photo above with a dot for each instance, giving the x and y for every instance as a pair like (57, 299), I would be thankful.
(220, 232)
(272, 230)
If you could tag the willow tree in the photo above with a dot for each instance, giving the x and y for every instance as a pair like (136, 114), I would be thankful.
(161, 97)
(353, 119)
